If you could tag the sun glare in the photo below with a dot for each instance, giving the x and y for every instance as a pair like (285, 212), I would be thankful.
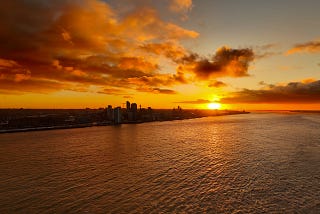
(214, 105)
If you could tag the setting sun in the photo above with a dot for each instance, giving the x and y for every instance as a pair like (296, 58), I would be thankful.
(214, 105)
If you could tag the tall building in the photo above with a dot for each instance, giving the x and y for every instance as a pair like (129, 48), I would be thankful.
(128, 106)
(110, 113)
(134, 109)
(117, 115)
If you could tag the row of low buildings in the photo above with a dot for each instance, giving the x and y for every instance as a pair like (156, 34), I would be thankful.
(129, 113)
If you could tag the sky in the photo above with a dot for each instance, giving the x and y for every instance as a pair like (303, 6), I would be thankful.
(243, 54)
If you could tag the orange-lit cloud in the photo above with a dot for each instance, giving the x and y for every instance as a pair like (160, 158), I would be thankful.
(12, 71)
(170, 50)
(181, 7)
(84, 42)
(74, 45)
(308, 47)
(307, 91)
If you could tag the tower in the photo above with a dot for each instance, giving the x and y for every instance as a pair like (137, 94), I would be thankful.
(128, 105)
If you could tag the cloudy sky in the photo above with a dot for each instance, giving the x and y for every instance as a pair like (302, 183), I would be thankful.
(244, 54)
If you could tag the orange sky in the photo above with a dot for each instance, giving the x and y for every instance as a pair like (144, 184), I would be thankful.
(91, 53)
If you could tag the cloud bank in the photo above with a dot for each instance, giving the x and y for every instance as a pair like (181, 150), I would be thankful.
(307, 91)
(73, 45)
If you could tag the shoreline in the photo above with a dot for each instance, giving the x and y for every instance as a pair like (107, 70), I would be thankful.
(86, 125)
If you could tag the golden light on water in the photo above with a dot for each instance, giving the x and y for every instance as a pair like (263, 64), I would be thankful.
(214, 105)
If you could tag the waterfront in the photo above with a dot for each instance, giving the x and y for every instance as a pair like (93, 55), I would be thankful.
(238, 163)
(22, 120)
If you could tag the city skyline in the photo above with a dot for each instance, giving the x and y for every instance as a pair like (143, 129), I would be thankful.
(195, 54)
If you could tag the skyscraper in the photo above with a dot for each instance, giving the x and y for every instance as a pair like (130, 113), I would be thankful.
(128, 106)
(110, 113)
(117, 115)
(134, 106)
(134, 109)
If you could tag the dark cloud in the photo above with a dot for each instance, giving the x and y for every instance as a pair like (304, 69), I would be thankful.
(217, 84)
(164, 91)
(265, 51)
(156, 90)
(112, 91)
(261, 83)
(32, 86)
(158, 80)
(267, 46)
(294, 92)
(308, 47)
(262, 55)
(226, 62)
(198, 101)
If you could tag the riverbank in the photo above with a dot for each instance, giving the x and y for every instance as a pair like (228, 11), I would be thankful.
(109, 123)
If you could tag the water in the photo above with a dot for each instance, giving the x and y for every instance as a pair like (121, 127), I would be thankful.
(257, 163)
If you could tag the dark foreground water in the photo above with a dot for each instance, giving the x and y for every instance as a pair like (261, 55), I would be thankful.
(257, 163)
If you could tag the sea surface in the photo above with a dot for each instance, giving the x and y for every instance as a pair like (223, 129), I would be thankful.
(253, 163)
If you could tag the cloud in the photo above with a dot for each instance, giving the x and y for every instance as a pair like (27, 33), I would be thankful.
(198, 101)
(170, 50)
(308, 47)
(144, 24)
(74, 45)
(267, 46)
(226, 62)
(86, 43)
(112, 91)
(266, 54)
(13, 71)
(217, 84)
(266, 50)
(164, 91)
(181, 7)
(159, 80)
(156, 90)
(306, 91)
(31, 86)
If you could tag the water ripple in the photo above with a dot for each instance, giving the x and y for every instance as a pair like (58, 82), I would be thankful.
(258, 163)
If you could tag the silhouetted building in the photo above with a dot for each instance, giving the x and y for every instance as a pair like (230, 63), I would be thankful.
(110, 113)
(133, 114)
(134, 107)
(128, 105)
(117, 115)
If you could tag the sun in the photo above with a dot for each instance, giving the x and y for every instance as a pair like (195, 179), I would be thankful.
(214, 105)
